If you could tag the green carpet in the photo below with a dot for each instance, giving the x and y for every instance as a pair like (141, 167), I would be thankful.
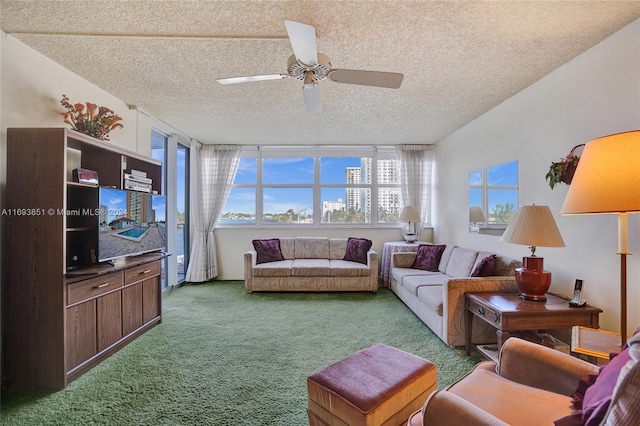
(225, 357)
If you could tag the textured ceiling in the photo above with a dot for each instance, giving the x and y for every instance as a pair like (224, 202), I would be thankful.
(459, 59)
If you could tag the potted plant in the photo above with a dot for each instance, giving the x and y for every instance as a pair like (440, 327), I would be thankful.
(91, 120)
(563, 170)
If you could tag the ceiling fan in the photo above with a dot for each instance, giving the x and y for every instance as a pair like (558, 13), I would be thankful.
(311, 67)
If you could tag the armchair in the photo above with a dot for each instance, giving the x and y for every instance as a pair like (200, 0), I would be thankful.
(535, 385)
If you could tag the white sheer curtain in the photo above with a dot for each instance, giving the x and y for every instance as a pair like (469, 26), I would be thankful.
(416, 165)
(215, 168)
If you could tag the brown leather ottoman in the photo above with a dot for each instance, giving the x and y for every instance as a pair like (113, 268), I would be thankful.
(376, 386)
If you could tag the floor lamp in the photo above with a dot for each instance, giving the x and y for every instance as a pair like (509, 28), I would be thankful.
(607, 181)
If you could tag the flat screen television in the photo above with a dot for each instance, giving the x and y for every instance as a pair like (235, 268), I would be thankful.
(131, 223)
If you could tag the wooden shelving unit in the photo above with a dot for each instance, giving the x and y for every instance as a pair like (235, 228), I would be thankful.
(63, 313)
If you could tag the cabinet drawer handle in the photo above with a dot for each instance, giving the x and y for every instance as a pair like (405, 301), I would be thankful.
(481, 311)
(145, 271)
(101, 285)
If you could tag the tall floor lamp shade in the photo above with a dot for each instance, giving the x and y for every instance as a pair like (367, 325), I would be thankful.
(607, 181)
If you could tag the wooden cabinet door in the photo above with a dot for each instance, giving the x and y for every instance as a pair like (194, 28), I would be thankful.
(81, 333)
(131, 308)
(151, 299)
(109, 319)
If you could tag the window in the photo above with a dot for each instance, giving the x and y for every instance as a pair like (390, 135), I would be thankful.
(182, 216)
(315, 187)
(493, 190)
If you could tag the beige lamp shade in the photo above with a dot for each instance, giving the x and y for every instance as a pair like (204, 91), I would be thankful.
(533, 226)
(607, 179)
(410, 214)
(476, 214)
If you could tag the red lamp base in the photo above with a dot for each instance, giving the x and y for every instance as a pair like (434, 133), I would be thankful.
(532, 280)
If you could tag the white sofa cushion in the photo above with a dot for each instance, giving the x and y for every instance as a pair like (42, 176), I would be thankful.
(461, 262)
(312, 248)
(288, 247)
(413, 283)
(311, 268)
(399, 274)
(444, 259)
(280, 268)
(337, 248)
(347, 268)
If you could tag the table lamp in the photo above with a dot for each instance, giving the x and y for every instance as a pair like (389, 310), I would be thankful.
(476, 216)
(607, 181)
(533, 226)
(411, 217)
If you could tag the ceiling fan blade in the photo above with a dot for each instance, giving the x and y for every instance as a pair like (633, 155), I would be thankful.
(311, 96)
(303, 42)
(391, 80)
(247, 79)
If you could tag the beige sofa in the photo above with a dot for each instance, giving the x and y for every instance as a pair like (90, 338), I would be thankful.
(437, 298)
(311, 264)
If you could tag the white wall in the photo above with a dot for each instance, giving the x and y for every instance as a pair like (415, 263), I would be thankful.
(596, 94)
(32, 86)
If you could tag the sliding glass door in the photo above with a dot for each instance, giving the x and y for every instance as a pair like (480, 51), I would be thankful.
(182, 218)
(175, 186)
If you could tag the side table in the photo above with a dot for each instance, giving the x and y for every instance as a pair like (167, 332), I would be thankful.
(387, 253)
(507, 312)
(596, 345)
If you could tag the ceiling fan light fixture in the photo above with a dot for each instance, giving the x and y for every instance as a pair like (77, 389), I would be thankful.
(299, 70)
(309, 78)
(311, 67)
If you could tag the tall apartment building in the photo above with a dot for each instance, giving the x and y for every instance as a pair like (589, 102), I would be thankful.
(139, 207)
(353, 175)
(388, 173)
(359, 199)
(389, 198)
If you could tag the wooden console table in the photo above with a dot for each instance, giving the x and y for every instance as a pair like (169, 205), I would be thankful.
(507, 312)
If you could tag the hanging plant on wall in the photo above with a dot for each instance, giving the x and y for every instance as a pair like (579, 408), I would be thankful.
(91, 119)
(563, 170)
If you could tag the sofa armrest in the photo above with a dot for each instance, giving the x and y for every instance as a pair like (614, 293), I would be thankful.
(372, 260)
(250, 258)
(446, 408)
(403, 259)
(546, 369)
(453, 303)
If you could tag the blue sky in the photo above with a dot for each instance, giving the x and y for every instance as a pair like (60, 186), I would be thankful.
(116, 202)
(501, 175)
(287, 170)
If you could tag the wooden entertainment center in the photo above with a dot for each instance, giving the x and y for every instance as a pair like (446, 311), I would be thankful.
(63, 312)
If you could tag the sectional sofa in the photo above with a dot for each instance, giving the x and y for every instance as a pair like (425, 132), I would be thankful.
(311, 264)
(436, 293)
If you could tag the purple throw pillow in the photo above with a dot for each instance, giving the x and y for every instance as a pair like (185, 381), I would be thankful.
(594, 393)
(268, 250)
(357, 249)
(485, 267)
(598, 396)
(428, 257)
